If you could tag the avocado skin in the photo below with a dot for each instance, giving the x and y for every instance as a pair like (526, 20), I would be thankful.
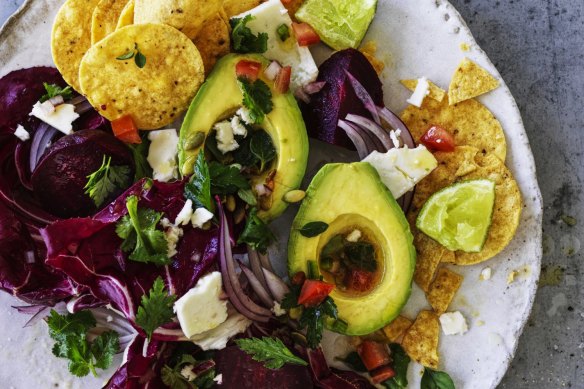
(347, 197)
(219, 98)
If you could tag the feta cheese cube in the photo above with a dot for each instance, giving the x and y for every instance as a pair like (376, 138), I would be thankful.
(217, 338)
(61, 117)
(21, 133)
(200, 217)
(453, 323)
(225, 137)
(185, 214)
(422, 90)
(162, 154)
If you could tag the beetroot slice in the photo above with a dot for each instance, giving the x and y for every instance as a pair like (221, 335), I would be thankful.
(337, 98)
(61, 175)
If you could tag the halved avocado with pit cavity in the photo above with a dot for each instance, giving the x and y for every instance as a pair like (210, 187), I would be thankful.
(218, 99)
(349, 198)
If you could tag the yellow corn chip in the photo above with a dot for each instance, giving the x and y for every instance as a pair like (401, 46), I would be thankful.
(236, 7)
(436, 92)
(213, 41)
(369, 50)
(397, 328)
(421, 339)
(443, 289)
(469, 81)
(126, 16)
(105, 18)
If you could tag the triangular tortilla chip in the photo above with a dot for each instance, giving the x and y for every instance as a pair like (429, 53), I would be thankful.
(436, 92)
(421, 340)
(443, 289)
(396, 329)
(470, 80)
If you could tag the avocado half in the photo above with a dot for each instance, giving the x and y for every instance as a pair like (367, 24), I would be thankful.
(349, 197)
(218, 99)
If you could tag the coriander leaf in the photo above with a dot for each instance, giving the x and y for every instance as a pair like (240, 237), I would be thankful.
(290, 300)
(400, 365)
(226, 179)
(80, 368)
(262, 147)
(257, 98)
(174, 379)
(155, 308)
(106, 181)
(55, 90)
(312, 229)
(433, 379)
(104, 347)
(140, 152)
(242, 38)
(353, 360)
(313, 320)
(247, 196)
(271, 351)
(73, 324)
(256, 233)
(198, 189)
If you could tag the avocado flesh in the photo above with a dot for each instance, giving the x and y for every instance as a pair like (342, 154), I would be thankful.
(349, 197)
(219, 98)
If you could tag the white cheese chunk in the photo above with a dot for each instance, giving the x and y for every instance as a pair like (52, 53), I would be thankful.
(486, 274)
(162, 154)
(172, 234)
(200, 217)
(354, 236)
(61, 118)
(21, 133)
(453, 323)
(268, 17)
(217, 338)
(422, 90)
(278, 310)
(225, 137)
(201, 309)
(238, 127)
(185, 214)
(401, 169)
(245, 115)
(218, 379)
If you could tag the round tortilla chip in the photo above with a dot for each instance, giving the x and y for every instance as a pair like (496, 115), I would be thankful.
(71, 38)
(126, 16)
(214, 39)
(188, 16)
(467, 163)
(236, 7)
(470, 122)
(154, 95)
(105, 18)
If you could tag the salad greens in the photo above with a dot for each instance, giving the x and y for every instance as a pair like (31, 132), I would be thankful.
(256, 233)
(140, 152)
(155, 308)
(54, 90)
(262, 147)
(243, 39)
(269, 350)
(400, 365)
(198, 189)
(257, 98)
(106, 180)
(188, 372)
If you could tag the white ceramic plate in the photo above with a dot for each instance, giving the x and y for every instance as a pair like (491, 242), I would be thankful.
(415, 38)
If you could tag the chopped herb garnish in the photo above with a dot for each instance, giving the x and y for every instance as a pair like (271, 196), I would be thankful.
(70, 335)
(313, 319)
(139, 57)
(243, 39)
(283, 32)
(400, 366)
(271, 351)
(155, 308)
(256, 233)
(55, 90)
(312, 229)
(140, 152)
(141, 238)
(257, 98)
(226, 179)
(433, 379)
(106, 181)
(262, 147)
(198, 189)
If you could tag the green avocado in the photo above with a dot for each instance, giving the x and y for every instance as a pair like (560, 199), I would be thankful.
(351, 197)
(218, 99)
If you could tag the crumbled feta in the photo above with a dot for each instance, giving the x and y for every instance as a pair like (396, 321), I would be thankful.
(172, 234)
(278, 310)
(453, 323)
(201, 309)
(422, 90)
(394, 135)
(354, 236)
(225, 138)
(485, 274)
(61, 117)
(188, 373)
(238, 127)
(200, 217)
(162, 154)
(218, 379)
(245, 115)
(21, 133)
(185, 214)
(217, 338)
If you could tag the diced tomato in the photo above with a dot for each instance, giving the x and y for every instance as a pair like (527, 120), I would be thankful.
(299, 278)
(282, 82)
(305, 34)
(359, 280)
(125, 130)
(314, 292)
(382, 374)
(248, 69)
(374, 355)
(438, 139)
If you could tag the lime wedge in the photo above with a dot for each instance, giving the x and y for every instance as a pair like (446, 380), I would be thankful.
(340, 23)
(459, 216)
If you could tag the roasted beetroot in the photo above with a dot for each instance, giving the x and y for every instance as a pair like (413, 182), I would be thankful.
(61, 175)
(337, 98)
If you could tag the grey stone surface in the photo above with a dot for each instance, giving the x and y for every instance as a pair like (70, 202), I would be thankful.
(538, 46)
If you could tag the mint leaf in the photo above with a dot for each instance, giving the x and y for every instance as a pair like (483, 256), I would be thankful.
(106, 181)
(243, 39)
(55, 90)
(262, 147)
(226, 179)
(271, 351)
(247, 196)
(257, 98)
(198, 189)
(433, 379)
(155, 308)
(256, 233)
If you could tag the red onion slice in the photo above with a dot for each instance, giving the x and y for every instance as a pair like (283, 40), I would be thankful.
(364, 96)
(379, 132)
(277, 286)
(40, 142)
(396, 123)
(356, 138)
(256, 267)
(257, 287)
(265, 261)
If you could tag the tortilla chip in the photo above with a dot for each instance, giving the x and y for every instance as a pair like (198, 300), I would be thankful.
(421, 340)
(127, 15)
(443, 289)
(236, 7)
(105, 18)
(470, 122)
(154, 95)
(71, 38)
(428, 257)
(213, 41)
(397, 328)
(369, 50)
(469, 81)
(507, 207)
(436, 92)
(188, 16)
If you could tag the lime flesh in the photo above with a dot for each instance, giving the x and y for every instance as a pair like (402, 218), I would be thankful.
(339, 23)
(459, 216)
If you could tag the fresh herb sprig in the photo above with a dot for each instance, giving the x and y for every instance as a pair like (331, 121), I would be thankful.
(54, 90)
(198, 189)
(262, 147)
(70, 335)
(243, 40)
(433, 379)
(257, 98)
(271, 351)
(401, 360)
(106, 181)
(256, 233)
(139, 153)
(139, 58)
(313, 319)
(155, 308)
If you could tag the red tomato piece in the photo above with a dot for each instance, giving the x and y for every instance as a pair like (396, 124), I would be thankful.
(248, 69)
(374, 355)
(299, 278)
(282, 82)
(125, 130)
(305, 34)
(382, 374)
(359, 280)
(314, 292)
(438, 139)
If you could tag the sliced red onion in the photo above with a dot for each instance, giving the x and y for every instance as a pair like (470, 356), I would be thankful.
(314, 87)
(77, 99)
(364, 96)
(40, 141)
(265, 261)
(300, 94)
(83, 107)
(277, 286)
(256, 267)
(379, 132)
(57, 100)
(257, 287)
(373, 143)
(363, 149)
(272, 70)
(396, 123)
